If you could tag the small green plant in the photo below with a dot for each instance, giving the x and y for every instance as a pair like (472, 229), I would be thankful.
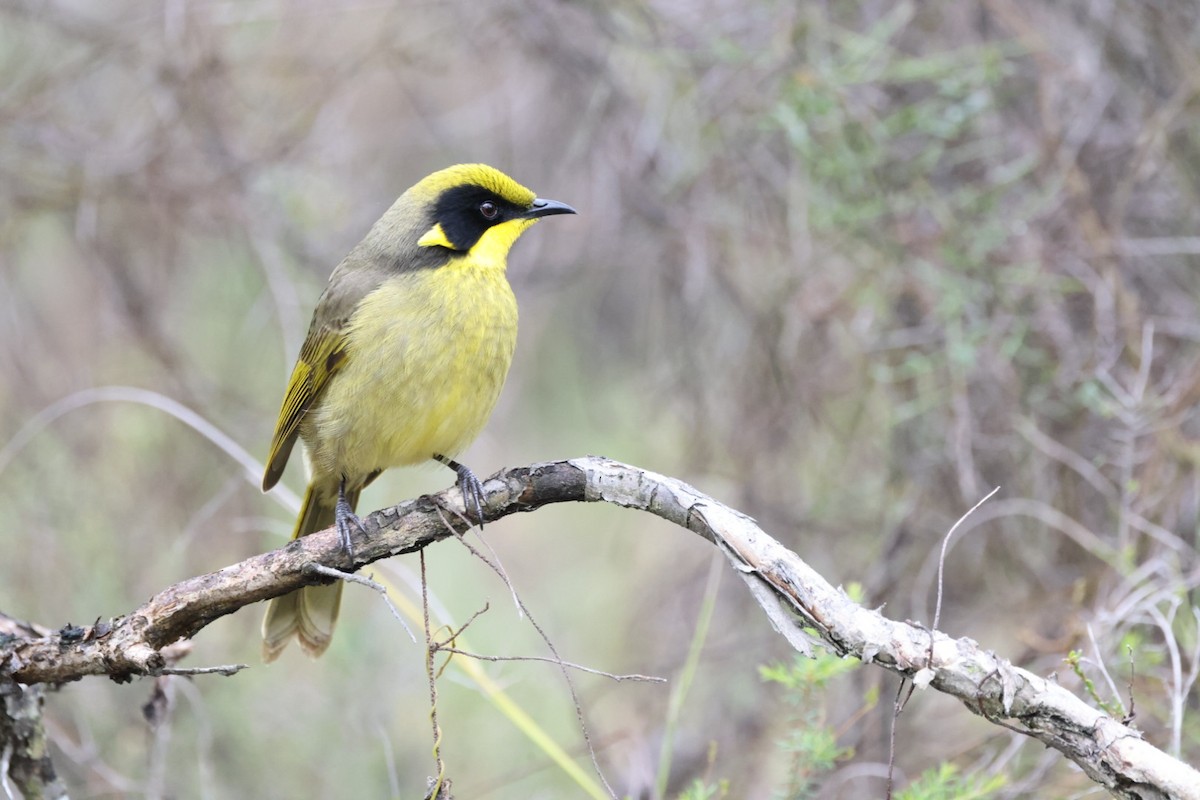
(702, 790)
(811, 744)
(1114, 708)
(944, 783)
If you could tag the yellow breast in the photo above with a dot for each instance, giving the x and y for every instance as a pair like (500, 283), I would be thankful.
(428, 355)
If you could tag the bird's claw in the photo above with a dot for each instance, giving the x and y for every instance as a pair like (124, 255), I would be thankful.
(344, 518)
(468, 484)
(472, 492)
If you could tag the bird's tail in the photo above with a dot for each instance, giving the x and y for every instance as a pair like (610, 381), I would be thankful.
(309, 613)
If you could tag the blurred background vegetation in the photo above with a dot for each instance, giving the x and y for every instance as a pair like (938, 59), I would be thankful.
(845, 266)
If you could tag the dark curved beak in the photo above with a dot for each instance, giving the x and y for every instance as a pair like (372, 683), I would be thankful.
(547, 208)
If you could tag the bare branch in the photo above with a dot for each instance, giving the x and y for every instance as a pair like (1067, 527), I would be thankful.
(797, 599)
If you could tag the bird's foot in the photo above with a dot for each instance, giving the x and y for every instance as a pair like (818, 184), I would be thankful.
(472, 491)
(344, 519)
(469, 485)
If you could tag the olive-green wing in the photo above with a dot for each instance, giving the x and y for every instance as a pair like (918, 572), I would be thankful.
(323, 353)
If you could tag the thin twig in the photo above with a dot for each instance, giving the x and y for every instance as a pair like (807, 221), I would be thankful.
(555, 661)
(587, 739)
(223, 669)
(453, 636)
(365, 580)
(1132, 713)
(436, 790)
(499, 567)
(900, 704)
(937, 609)
(897, 706)
(496, 564)
(1166, 623)
(1112, 685)
(128, 394)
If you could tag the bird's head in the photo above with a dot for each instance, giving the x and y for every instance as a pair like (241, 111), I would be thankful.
(473, 208)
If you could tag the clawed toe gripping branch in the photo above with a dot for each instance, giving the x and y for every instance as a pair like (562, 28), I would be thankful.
(801, 604)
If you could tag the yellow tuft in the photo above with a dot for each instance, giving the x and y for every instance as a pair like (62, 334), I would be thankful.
(435, 237)
(480, 175)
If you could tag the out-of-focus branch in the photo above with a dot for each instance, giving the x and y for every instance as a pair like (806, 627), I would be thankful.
(24, 754)
(801, 604)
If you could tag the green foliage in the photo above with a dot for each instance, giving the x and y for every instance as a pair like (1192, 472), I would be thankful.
(702, 790)
(944, 783)
(859, 156)
(1114, 708)
(810, 743)
(804, 676)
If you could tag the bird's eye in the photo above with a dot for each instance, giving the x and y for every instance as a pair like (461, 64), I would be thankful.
(489, 209)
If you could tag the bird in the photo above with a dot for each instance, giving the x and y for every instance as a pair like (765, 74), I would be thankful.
(409, 346)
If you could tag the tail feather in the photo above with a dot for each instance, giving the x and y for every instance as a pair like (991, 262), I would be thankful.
(281, 622)
(310, 613)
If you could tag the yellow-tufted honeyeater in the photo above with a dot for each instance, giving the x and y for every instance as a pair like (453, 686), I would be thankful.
(406, 354)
